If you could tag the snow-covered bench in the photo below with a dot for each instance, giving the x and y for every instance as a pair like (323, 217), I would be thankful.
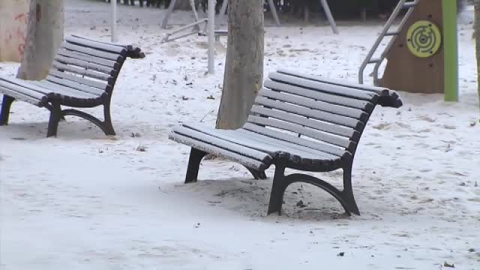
(82, 75)
(298, 121)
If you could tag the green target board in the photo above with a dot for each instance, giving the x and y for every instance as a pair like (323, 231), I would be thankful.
(424, 39)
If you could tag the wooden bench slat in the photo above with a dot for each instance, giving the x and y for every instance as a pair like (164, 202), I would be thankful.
(22, 90)
(343, 122)
(327, 148)
(83, 72)
(248, 162)
(318, 105)
(324, 87)
(296, 148)
(96, 45)
(235, 137)
(75, 85)
(48, 87)
(87, 57)
(101, 86)
(303, 120)
(375, 89)
(322, 137)
(328, 98)
(84, 64)
(241, 150)
(45, 89)
(93, 52)
(23, 97)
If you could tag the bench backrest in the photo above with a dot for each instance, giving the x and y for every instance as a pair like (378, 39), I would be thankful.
(88, 65)
(319, 115)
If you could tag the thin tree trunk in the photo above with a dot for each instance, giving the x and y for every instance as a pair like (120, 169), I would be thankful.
(476, 28)
(44, 37)
(244, 64)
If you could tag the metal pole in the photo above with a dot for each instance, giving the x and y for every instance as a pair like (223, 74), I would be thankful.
(450, 45)
(168, 13)
(329, 15)
(211, 36)
(273, 9)
(114, 20)
(223, 10)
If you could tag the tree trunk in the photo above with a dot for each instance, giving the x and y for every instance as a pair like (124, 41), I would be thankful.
(244, 64)
(476, 28)
(44, 36)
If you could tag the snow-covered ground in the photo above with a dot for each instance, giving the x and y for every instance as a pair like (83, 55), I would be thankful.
(85, 201)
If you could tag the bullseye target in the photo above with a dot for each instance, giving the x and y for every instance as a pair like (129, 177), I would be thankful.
(423, 39)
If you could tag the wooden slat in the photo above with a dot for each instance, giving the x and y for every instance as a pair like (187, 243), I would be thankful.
(96, 44)
(80, 71)
(304, 121)
(324, 87)
(104, 42)
(340, 120)
(22, 90)
(89, 58)
(296, 128)
(278, 142)
(75, 85)
(84, 64)
(249, 162)
(319, 105)
(328, 98)
(102, 86)
(241, 150)
(90, 51)
(23, 97)
(48, 87)
(261, 145)
(377, 90)
(327, 148)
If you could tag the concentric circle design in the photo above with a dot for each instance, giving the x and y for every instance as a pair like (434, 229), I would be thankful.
(424, 39)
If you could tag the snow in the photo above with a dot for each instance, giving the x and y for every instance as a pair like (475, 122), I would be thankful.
(86, 201)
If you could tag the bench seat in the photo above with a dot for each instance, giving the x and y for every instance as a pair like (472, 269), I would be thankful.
(255, 150)
(40, 93)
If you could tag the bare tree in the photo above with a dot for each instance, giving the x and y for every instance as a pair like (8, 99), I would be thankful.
(43, 38)
(244, 64)
(476, 34)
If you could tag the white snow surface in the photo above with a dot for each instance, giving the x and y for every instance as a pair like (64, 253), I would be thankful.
(87, 201)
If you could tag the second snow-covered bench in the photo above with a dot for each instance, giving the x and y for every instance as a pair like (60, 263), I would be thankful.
(298, 121)
(82, 75)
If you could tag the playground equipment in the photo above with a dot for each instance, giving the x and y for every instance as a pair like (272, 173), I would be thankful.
(223, 10)
(422, 54)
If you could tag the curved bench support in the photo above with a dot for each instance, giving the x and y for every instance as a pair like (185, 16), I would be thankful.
(105, 126)
(6, 104)
(196, 157)
(258, 175)
(281, 182)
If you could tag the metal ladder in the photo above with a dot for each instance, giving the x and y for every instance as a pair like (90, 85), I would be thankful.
(402, 4)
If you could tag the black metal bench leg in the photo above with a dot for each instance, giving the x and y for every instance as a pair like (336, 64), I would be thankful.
(5, 113)
(108, 120)
(278, 189)
(196, 157)
(347, 193)
(257, 174)
(55, 117)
